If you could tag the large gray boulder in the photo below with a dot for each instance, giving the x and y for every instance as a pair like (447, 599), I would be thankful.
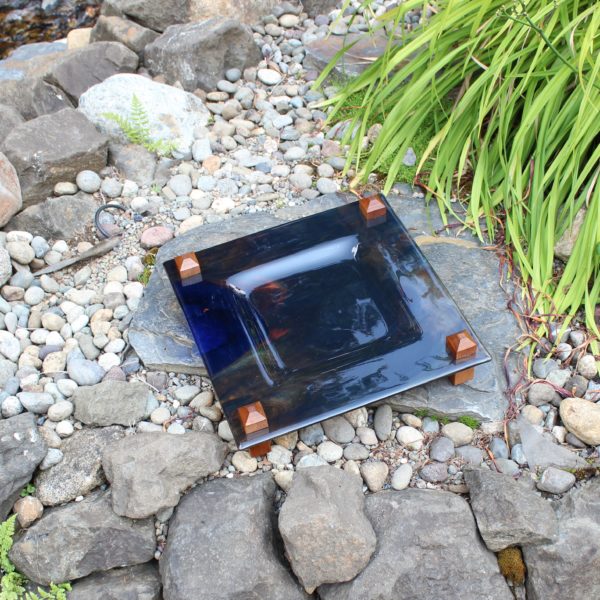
(58, 217)
(427, 547)
(326, 535)
(141, 582)
(570, 566)
(198, 54)
(149, 471)
(10, 190)
(507, 512)
(21, 450)
(79, 538)
(128, 33)
(80, 470)
(78, 70)
(158, 15)
(113, 403)
(318, 7)
(222, 546)
(33, 97)
(10, 117)
(172, 113)
(51, 149)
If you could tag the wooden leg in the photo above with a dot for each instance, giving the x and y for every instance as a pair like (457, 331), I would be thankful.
(462, 376)
(260, 449)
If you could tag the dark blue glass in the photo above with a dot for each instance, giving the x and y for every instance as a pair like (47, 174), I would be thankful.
(317, 317)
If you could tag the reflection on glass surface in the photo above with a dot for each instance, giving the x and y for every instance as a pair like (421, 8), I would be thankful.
(317, 317)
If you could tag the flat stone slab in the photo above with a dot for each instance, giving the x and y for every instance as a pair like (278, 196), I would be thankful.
(365, 49)
(161, 337)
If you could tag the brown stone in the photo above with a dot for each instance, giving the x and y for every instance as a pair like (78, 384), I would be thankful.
(28, 510)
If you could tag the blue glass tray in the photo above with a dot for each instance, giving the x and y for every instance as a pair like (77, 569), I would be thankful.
(317, 317)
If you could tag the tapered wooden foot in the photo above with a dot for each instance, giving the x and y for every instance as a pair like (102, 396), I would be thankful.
(461, 346)
(253, 417)
(373, 210)
(260, 449)
(188, 267)
(462, 376)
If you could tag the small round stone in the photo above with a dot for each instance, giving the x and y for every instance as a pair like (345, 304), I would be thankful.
(64, 429)
(402, 476)
(233, 75)
(65, 188)
(330, 451)
(441, 449)
(459, 433)
(111, 187)
(34, 295)
(176, 429)
(410, 437)
(586, 366)
(88, 181)
(154, 237)
(160, 415)
(268, 76)
(28, 510)
(374, 473)
(181, 184)
(556, 481)
(434, 472)
(243, 462)
(279, 456)
(327, 186)
(60, 410)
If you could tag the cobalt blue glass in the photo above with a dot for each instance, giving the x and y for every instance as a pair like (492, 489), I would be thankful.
(317, 317)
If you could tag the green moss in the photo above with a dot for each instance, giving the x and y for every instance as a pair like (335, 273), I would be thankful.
(469, 422)
(512, 566)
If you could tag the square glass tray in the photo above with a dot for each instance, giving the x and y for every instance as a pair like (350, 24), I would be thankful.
(317, 317)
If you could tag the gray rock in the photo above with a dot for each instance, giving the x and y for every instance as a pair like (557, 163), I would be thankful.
(141, 582)
(507, 512)
(172, 113)
(113, 403)
(556, 481)
(80, 538)
(36, 402)
(435, 524)
(159, 332)
(320, 53)
(61, 217)
(5, 266)
(80, 470)
(133, 162)
(85, 372)
(78, 70)
(33, 97)
(434, 472)
(382, 422)
(326, 535)
(339, 430)
(542, 367)
(130, 34)
(470, 454)
(499, 448)
(541, 452)
(21, 451)
(318, 7)
(569, 567)
(542, 393)
(157, 15)
(9, 118)
(198, 54)
(165, 465)
(355, 452)
(51, 149)
(180, 184)
(312, 435)
(441, 449)
(207, 557)
(11, 200)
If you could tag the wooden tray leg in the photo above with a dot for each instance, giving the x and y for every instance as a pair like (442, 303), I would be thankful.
(461, 346)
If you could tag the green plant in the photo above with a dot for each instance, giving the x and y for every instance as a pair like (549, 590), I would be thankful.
(28, 490)
(137, 129)
(471, 422)
(11, 582)
(520, 142)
